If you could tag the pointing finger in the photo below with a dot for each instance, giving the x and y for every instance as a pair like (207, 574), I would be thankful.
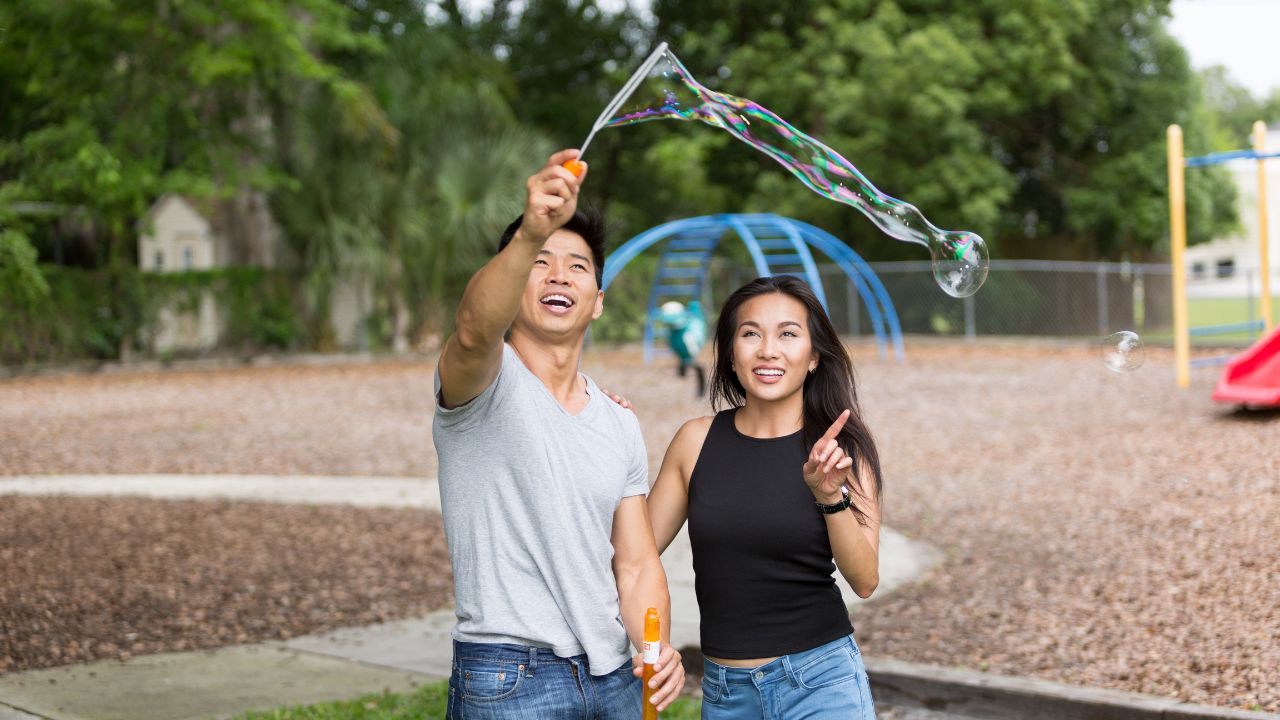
(836, 427)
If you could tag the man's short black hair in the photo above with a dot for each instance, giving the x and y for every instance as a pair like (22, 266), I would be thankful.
(586, 222)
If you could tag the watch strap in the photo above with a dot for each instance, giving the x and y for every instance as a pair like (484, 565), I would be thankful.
(834, 508)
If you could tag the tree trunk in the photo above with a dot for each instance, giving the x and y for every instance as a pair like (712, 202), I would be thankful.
(400, 317)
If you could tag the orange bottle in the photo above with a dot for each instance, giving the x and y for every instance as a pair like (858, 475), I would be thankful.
(577, 167)
(652, 649)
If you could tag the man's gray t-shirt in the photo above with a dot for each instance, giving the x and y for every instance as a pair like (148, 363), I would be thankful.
(529, 492)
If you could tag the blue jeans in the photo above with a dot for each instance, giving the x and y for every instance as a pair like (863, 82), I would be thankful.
(514, 682)
(828, 682)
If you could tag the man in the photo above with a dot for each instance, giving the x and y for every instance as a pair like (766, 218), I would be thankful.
(543, 482)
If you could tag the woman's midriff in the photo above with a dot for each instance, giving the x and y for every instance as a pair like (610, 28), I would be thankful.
(741, 663)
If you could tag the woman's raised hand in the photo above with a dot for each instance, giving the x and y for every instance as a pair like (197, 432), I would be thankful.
(827, 468)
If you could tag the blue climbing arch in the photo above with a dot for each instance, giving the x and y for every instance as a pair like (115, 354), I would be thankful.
(777, 245)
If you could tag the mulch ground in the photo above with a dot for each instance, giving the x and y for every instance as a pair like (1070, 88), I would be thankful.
(91, 579)
(1098, 529)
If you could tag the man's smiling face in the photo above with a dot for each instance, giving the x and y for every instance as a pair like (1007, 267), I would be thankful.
(561, 298)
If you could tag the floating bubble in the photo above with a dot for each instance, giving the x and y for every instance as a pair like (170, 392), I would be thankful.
(1122, 352)
(960, 259)
(960, 263)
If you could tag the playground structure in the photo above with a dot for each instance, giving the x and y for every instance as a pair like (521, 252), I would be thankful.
(1253, 377)
(777, 246)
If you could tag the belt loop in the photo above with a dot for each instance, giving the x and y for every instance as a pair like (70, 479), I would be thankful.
(791, 673)
(533, 662)
(724, 681)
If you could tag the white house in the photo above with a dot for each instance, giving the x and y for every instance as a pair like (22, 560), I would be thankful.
(175, 237)
(1228, 266)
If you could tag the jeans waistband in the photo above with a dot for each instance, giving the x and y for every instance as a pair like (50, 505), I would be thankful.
(782, 668)
(498, 652)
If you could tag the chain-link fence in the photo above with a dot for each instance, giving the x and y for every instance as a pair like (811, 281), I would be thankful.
(1049, 298)
(1025, 297)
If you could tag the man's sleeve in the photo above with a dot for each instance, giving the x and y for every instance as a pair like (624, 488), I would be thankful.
(638, 474)
(468, 414)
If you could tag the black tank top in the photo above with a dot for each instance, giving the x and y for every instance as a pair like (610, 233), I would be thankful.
(761, 555)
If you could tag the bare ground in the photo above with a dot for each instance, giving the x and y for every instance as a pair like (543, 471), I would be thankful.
(92, 578)
(1099, 529)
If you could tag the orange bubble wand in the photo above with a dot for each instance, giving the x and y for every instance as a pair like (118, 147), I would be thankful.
(652, 650)
(577, 166)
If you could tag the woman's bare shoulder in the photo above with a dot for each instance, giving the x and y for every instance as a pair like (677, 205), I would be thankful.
(687, 444)
(697, 428)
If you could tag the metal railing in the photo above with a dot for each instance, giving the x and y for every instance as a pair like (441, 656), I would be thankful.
(1051, 299)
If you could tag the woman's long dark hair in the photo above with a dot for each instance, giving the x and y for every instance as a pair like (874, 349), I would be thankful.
(828, 390)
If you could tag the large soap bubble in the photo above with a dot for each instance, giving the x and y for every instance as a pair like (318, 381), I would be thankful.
(664, 88)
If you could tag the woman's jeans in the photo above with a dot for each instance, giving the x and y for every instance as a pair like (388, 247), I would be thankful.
(514, 682)
(828, 681)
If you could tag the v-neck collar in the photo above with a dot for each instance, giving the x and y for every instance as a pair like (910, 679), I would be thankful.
(592, 391)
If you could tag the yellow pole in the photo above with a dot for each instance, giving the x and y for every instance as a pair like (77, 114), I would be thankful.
(1260, 145)
(1177, 248)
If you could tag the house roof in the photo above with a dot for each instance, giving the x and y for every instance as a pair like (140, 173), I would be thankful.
(195, 206)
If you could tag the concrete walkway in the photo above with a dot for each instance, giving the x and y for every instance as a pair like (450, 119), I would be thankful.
(332, 666)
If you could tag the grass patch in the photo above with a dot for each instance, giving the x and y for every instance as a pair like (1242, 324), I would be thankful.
(1223, 311)
(426, 703)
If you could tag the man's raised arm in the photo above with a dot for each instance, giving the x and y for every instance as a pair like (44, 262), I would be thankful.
(473, 354)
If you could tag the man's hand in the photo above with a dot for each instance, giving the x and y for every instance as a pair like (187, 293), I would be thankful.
(668, 676)
(552, 199)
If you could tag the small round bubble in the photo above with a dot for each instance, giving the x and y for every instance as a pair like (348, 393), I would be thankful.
(1122, 352)
(960, 263)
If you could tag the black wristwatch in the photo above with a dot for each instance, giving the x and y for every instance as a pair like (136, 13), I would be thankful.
(834, 508)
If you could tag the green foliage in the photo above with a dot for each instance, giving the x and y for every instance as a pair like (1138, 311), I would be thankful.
(20, 278)
(427, 702)
(258, 307)
(392, 137)
(76, 320)
(563, 59)
(99, 314)
(153, 96)
(23, 292)
(1038, 124)
(418, 212)
(625, 302)
(1233, 110)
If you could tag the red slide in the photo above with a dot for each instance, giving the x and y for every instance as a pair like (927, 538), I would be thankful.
(1253, 377)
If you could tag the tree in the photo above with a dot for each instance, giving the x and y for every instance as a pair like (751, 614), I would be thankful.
(154, 96)
(1233, 109)
(414, 213)
(1039, 124)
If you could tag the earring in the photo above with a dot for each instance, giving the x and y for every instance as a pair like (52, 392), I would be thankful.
(812, 369)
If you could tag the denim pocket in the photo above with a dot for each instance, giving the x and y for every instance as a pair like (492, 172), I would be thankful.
(486, 682)
(835, 667)
(711, 689)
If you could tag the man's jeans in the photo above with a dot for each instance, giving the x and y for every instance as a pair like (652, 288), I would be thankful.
(514, 682)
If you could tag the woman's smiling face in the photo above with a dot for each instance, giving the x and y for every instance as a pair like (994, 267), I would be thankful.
(772, 350)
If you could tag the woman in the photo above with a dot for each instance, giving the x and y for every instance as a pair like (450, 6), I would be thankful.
(775, 488)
